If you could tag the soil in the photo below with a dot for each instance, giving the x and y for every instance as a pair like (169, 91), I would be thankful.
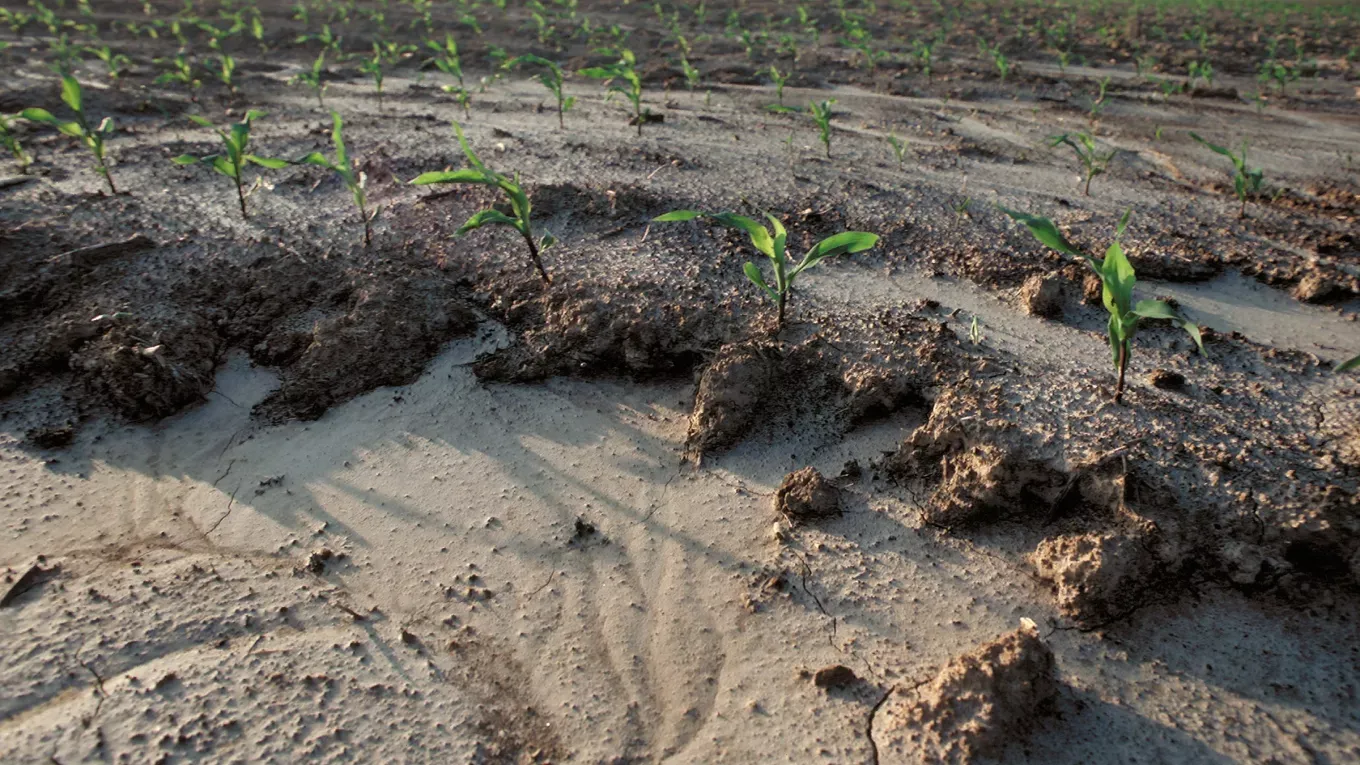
(296, 496)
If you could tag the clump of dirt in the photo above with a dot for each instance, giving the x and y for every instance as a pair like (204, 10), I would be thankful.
(151, 371)
(872, 391)
(731, 393)
(1042, 295)
(1102, 576)
(987, 465)
(806, 496)
(982, 700)
(385, 338)
(584, 329)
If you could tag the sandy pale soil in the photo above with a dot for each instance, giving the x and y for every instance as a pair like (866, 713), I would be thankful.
(289, 497)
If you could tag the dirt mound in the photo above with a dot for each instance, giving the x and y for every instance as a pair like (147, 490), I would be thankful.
(806, 496)
(981, 700)
(988, 466)
(385, 338)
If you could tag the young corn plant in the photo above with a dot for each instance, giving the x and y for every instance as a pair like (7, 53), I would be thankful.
(519, 208)
(312, 79)
(622, 77)
(10, 141)
(115, 63)
(1117, 280)
(181, 71)
(1093, 161)
(551, 78)
(821, 114)
(373, 67)
(93, 138)
(1246, 180)
(446, 58)
(771, 243)
(226, 72)
(692, 76)
(779, 80)
(899, 147)
(344, 167)
(236, 139)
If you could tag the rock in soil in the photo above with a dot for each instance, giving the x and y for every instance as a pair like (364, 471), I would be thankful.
(835, 677)
(1042, 295)
(982, 700)
(728, 400)
(806, 495)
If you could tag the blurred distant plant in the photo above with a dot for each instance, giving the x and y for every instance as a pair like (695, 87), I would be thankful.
(1246, 180)
(226, 71)
(115, 63)
(446, 58)
(551, 77)
(771, 243)
(1117, 280)
(10, 140)
(622, 77)
(236, 139)
(1202, 70)
(1093, 161)
(373, 67)
(519, 208)
(312, 79)
(779, 80)
(821, 114)
(180, 71)
(92, 138)
(692, 77)
(899, 147)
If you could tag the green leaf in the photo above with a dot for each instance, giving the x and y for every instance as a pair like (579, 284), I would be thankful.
(759, 236)
(1214, 147)
(452, 176)
(839, 244)
(469, 153)
(1156, 309)
(221, 165)
(486, 218)
(186, 159)
(70, 93)
(315, 158)
(1043, 229)
(1115, 331)
(34, 114)
(337, 138)
(547, 241)
(1348, 365)
(200, 121)
(1117, 273)
(269, 162)
(675, 215)
(753, 273)
(1123, 223)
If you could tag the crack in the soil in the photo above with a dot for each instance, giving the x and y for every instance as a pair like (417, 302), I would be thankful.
(231, 503)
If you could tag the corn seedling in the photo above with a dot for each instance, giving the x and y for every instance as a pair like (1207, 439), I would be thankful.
(115, 63)
(551, 78)
(1098, 103)
(692, 77)
(1246, 180)
(10, 141)
(771, 243)
(519, 201)
(312, 79)
(1202, 70)
(181, 71)
(1093, 161)
(899, 147)
(821, 114)
(1348, 364)
(622, 77)
(924, 53)
(236, 139)
(93, 138)
(373, 67)
(779, 80)
(446, 58)
(225, 72)
(344, 167)
(1117, 280)
(975, 331)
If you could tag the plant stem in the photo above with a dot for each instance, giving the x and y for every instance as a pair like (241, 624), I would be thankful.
(1123, 366)
(108, 177)
(533, 254)
(241, 197)
(779, 318)
(1242, 211)
(1088, 184)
